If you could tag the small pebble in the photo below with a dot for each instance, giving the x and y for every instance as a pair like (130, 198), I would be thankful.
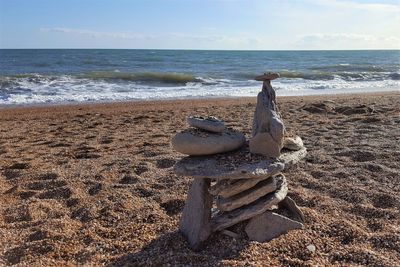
(311, 248)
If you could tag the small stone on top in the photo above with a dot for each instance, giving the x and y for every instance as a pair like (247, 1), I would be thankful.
(210, 123)
(267, 76)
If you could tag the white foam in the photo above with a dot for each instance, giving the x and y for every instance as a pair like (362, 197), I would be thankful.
(65, 88)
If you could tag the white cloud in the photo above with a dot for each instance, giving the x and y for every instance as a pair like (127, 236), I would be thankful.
(358, 5)
(185, 40)
(347, 41)
(99, 34)
(338, 36)
(239, 40)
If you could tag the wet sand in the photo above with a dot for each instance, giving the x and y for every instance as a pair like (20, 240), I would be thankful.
(93, 184)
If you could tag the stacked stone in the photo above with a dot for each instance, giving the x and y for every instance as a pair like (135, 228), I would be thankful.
(207, 136)
(246, 184)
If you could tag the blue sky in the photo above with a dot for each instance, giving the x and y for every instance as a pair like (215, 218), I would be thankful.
(201, 24)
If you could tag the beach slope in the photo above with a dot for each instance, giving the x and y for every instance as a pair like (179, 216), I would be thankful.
(93, 184)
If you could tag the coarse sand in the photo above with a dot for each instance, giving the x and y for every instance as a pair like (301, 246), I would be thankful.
(94, 184)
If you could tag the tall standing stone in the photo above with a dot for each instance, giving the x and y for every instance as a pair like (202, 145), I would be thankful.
(195, 221)
(268, 129)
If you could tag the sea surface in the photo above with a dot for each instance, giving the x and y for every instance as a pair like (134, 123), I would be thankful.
(40, 76)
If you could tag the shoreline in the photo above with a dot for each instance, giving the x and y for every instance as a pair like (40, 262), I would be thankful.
(184, 100)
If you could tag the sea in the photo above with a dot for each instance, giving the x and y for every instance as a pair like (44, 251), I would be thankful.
(57, 76)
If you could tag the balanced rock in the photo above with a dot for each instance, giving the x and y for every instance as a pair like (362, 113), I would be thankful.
(248, 196)
(221, 185)
(269, 225)
(292, 157)
(264, 144)
(195, 220)
(230, 187)
(203, 167)
(268, 129)
(245, 186)
(293, 143)
(197, 143)
(268, 76)
(226, 219)
(210, 124)
(292, 207)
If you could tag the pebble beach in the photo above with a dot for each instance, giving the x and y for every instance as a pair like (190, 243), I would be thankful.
(93, 184)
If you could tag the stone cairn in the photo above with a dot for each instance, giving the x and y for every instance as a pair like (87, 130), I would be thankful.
(235, 182)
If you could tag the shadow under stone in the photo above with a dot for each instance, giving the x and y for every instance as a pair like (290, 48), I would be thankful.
(172, 249)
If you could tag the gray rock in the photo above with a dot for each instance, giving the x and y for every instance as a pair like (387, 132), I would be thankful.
(291, 206)
(268, 129)
(293, 143)
(197, 143)
(204, 167)
(211, 124)
(264, 144)
(230, 233)
(311, 248)
(195, 220)
(269, 225)
(267, 76)
(248, 196)
(293, 157)
(230, 187)
(226, 219)
(220, 185)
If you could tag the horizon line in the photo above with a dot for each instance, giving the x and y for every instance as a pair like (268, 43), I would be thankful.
(195, 49)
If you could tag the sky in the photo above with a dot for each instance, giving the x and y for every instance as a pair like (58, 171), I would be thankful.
(201, 24)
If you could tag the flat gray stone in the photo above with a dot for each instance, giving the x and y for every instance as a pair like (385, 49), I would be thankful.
(195, 221)
(228, 187)
(224, 220)
(204, 167)
(211, 124)
(198, 143)
(293, 157)
(268, 129)
(269, 225)
(220, 185)
(267, 76)
(291, 206)
(248, 196)
(293, 143)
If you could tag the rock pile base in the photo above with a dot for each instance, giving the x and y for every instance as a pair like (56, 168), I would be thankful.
(256, 186)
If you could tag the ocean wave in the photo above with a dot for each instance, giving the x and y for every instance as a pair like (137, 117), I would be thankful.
(289, 74)
(326, 75)
(343, 75)
(7, 83)
(307, 75)
(172, 78)
(115, 86)
(394, 76)
(350, 68)
(71, 89)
